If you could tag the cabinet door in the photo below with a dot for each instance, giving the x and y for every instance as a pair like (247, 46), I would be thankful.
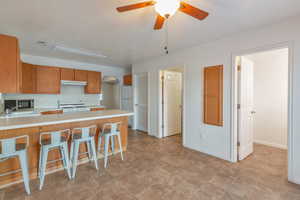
(9, 64)
(94, 83)
(48, 80)
(127, 79)
(28, 84)
(67, 74)
(213, 95)
(81, 75)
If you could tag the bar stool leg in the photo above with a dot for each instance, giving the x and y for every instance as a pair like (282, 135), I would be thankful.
(106, 143)
(66, 161)
(93, 148)
(120, 146)
(99, 143)
(72, 151)
(40, 163)
(89, 151)
(24, 167)
(43, 166)
(112, 144)
(75, 158)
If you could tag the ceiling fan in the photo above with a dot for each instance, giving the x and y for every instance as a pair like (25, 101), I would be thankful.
(165, 9)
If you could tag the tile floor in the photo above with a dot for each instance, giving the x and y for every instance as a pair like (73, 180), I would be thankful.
(163, 169)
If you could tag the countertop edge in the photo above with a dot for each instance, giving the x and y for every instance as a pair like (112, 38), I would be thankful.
(63, 121)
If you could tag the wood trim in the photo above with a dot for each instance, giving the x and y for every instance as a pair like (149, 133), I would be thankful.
(96, 109)
(51, 112)
(213, 95)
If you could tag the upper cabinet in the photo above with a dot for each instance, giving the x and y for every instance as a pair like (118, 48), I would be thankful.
(10, 65)
(127, 79)
(67, 74)
(28, 85)
(93, 83)
(81, 75)
(18, 77)
(47, 80)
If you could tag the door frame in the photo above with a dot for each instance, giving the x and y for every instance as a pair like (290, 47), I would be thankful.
(160, 106)
(135, 100)
(234, 100)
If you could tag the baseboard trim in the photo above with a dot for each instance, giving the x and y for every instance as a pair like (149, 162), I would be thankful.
(280, 146)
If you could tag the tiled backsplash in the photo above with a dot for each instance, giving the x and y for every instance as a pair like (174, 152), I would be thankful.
(69, 94)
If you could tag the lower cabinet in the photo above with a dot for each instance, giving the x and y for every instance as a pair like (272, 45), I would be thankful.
(47, 80)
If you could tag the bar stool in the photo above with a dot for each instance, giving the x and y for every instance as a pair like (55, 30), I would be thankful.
(83, 135)
(50, 141)
(109, 131)
(16, 147)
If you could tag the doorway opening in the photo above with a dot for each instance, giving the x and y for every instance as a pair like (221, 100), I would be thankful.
(140, 83)
(171, 102)
(263, 107)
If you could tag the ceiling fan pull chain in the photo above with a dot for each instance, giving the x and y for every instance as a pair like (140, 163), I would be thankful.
(167, 38)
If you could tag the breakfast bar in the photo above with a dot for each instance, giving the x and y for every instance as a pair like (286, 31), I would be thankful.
(33, 126)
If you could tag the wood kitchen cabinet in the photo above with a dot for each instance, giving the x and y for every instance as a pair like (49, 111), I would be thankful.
(67, 74)
(10, 65)
(127, 79)
(81, 75)
(93, 83)
(28, 85)
(47, 80)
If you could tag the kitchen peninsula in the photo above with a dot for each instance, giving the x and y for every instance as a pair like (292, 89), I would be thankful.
(33, 126)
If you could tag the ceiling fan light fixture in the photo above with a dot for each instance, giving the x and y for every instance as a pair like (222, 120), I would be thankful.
(166, 8)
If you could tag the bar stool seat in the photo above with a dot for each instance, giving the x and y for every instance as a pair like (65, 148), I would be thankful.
(83, 135)
(15, 147)
(109, 131)
(50, 141)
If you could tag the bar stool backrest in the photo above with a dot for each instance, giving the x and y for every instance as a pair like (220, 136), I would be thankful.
(55, 137)
(114, 128)
(85, 132)
(9, 146)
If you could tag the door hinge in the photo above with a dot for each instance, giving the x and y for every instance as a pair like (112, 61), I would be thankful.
(162, 78)
(238, 144)
(239, 68)
(239, 106)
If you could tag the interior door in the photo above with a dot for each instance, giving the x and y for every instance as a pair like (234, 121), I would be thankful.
(141, 102)
(245, 111)
(172, 103)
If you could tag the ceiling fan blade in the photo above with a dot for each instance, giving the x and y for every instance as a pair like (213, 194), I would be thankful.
(159, 22)
(193, 11)
(135, 6)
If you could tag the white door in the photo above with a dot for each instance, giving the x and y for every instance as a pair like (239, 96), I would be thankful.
(172, 103)
(141, 102)
(245, 112)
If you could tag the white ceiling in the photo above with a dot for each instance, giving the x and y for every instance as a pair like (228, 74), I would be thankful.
(128, 37)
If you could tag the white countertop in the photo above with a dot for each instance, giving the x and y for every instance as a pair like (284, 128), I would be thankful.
(43, 120)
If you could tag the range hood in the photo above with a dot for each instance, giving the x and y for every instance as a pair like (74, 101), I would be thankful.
(75, 83)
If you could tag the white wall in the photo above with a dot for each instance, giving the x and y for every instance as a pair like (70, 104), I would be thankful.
(111, 96)
(211, 139)
(271, 97)
(68, 93)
